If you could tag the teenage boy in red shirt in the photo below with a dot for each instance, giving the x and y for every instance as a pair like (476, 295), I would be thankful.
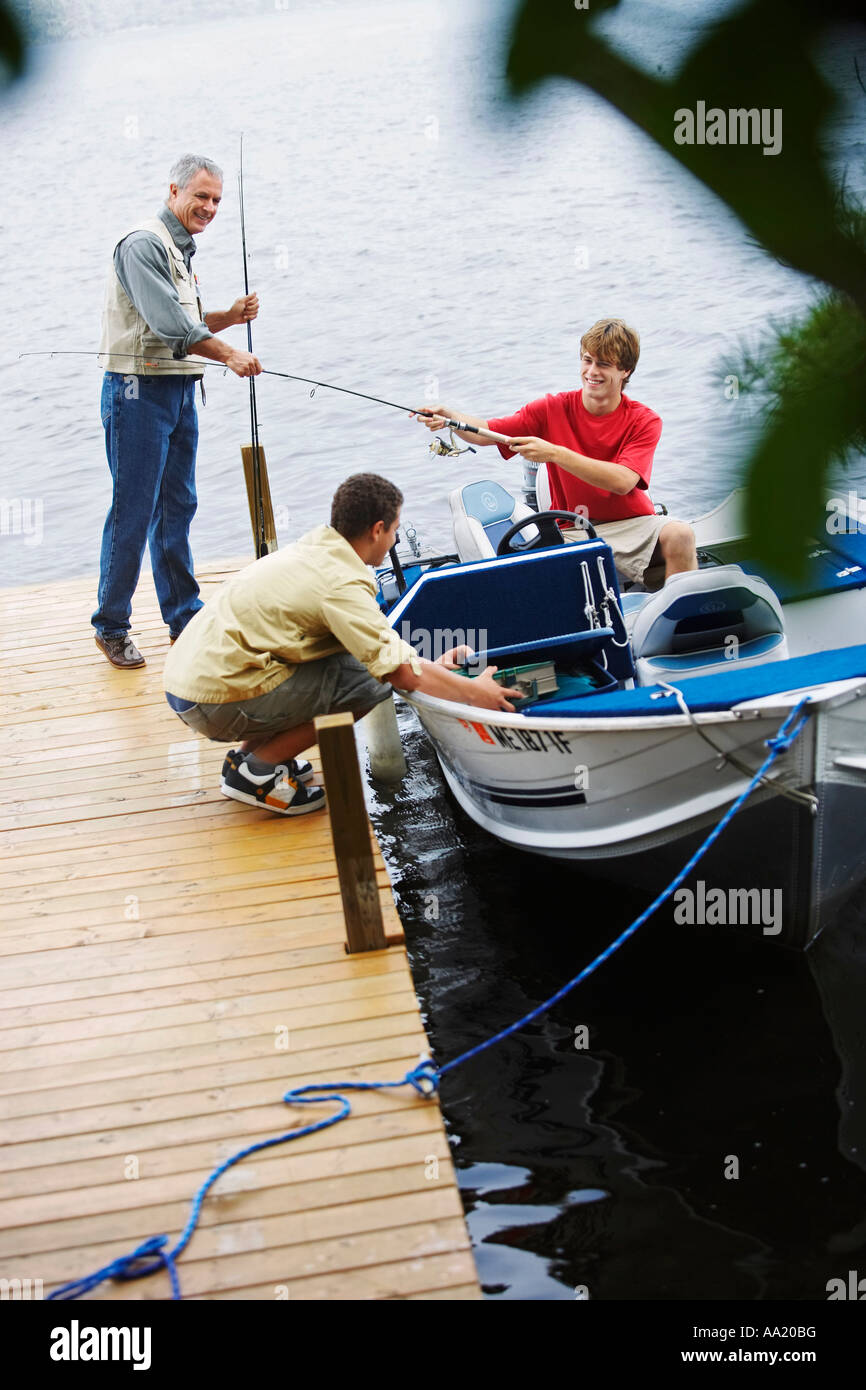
(598, 445)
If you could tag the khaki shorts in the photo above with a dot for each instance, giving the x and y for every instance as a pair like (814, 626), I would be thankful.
(330, 685)
(632, 541)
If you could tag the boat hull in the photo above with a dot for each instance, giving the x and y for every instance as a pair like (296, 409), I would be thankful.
(633, 798)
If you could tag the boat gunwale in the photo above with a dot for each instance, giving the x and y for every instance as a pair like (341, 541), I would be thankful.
(821, 695)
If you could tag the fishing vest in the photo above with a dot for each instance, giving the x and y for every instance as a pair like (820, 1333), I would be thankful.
(127, 341)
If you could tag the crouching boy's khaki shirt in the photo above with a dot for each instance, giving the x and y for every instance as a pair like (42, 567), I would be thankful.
(310, 600)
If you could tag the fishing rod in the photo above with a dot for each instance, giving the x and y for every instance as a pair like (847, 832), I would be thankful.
(264, 537)
(132, 356)
(410, 410)
(462, 425)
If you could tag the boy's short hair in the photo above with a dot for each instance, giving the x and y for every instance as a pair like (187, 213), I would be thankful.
(361, 501)
(612, 340)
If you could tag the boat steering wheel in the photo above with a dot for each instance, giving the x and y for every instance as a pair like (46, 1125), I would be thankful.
(548, 532)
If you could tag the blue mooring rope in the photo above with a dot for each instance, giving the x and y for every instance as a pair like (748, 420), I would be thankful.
(425, 1077)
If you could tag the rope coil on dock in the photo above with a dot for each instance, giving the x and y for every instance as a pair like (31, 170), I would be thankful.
(424, 1077)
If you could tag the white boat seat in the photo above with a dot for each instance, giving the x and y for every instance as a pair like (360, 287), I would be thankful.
(706, 621)
(481, 513)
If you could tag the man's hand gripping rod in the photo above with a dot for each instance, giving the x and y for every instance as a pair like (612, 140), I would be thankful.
(463, 428)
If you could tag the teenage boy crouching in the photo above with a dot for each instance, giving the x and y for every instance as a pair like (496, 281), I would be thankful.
(297, 634)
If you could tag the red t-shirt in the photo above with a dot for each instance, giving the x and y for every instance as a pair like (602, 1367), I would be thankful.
(628, 435)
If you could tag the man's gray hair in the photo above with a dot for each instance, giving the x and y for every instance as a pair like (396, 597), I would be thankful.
(185, 169)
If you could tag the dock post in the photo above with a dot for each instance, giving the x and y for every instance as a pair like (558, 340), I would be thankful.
(380, 729)
(362, 911)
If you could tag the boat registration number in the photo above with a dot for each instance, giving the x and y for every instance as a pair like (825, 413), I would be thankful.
(520, 740)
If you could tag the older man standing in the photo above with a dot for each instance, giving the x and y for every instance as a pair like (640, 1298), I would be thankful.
(152, 319)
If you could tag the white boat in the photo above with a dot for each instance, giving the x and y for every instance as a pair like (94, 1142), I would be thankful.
(663, 708)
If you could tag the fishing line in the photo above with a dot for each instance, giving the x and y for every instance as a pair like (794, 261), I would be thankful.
(392, 405)
(462, 425)
(329, 386)
(438, 446)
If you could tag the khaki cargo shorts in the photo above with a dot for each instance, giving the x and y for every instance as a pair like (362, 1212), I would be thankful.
(632, 541)
(330, 685)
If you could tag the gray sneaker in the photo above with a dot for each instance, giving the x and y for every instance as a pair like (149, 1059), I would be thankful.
(121, 651)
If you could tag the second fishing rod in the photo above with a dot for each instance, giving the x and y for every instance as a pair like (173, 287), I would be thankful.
(255, 470)
(462, 425)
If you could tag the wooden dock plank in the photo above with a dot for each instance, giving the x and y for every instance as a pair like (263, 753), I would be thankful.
(71, 1184)
(109, 1068)
(367, 1177)
(407, 1279)
(55, 1195)
(196, 1084)
(58, 1009)
(304, 1226)
(173, 963)
(292, 1266)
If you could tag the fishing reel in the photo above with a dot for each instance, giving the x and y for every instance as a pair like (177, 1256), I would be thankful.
(412, 538)
(451, 451)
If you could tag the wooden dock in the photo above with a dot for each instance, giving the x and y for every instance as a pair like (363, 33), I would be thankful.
(172, 963)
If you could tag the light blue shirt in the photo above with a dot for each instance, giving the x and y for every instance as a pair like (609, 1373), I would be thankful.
(141, 263)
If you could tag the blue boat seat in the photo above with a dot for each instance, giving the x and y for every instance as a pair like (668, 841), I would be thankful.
(481, 513)
(519, 609)
(704, 693)
(707, 621)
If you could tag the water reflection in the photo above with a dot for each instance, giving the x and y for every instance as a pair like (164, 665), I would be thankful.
(606, 1167)
(838, 965)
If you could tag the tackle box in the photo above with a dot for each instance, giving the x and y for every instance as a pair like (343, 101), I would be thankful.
(543, 681)
(532, 681)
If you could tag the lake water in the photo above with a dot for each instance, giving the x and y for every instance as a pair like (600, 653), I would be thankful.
(408, 237)
(411, 237)
(603, 1167)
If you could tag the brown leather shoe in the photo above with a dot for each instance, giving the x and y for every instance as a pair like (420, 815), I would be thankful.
(121, 651)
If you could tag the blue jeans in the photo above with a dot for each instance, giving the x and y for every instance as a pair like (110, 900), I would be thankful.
(151, 433)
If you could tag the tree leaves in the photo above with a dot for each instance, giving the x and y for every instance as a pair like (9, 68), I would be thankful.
(811, 380)
(12, 47)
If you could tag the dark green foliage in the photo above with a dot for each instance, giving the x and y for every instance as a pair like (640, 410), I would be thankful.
(11, 44)
(812, 381)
